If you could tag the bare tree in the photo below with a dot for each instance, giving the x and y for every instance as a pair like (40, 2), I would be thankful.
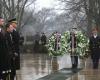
(41, 18)
(89, 9)
(13, 8)
(92, 8)
(75, 13)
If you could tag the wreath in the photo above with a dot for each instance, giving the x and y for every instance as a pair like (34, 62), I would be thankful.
(82, 44)
(51, 42)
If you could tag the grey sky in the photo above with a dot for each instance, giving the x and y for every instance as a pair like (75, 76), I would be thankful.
(55, 4)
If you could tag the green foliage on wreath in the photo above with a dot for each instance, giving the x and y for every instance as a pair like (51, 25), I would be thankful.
(82, 44)
(62, 49)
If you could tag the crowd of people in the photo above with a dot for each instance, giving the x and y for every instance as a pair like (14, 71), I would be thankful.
(9, 49)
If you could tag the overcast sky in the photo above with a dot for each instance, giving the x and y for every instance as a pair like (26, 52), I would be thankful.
(46, 3)
(39, 4)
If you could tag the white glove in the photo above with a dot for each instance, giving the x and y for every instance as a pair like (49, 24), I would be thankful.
(16, 54)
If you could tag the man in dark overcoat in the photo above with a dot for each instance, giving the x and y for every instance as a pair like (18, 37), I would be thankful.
(94, 46)
(3, 52)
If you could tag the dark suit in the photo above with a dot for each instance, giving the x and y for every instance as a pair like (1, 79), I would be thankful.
(94, 46)
(74, 57)
(11, 55)
(3, 54)
(16, 43)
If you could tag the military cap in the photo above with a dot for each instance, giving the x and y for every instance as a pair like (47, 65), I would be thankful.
(12, 20)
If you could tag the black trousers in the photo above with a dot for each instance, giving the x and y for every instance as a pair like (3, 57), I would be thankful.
(95, 56)
(74, 61)
(17, 61)
(95, 62)
(3, 76)
(13, 69)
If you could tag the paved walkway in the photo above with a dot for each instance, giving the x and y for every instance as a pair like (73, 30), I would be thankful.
(38, 66)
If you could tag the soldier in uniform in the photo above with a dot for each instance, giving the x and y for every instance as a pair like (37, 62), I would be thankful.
(4, 66)
(16, 42)
(12, 56)
(94, 46)
(73, 45)
(43, 39)
(57, 41)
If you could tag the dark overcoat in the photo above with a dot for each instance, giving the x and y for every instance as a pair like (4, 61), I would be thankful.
(94, 46)
(3, 52)
(16, 44)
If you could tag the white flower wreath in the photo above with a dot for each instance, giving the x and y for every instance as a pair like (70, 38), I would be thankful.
(82, 44)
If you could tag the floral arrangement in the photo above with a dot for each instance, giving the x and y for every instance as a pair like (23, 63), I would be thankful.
(50, 46)
(82, 44)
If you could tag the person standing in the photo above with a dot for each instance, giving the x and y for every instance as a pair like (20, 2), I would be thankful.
(16, 42)
(57, 41)
(94, 46)
(43, 39)
(73, 45)
(3, 52)
(12, 56)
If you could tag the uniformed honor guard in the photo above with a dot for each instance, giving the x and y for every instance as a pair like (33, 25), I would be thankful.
(43, 39)
(57, 41)
(94, 46)
(73, 45)
(16, 42)
(12, 56)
